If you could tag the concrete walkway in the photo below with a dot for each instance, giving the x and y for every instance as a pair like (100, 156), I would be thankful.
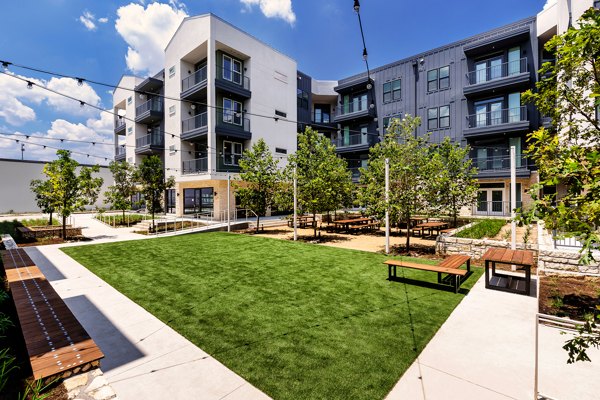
(485, 350)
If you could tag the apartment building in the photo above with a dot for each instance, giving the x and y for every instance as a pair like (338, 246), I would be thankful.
(221, 86)
(220, 91)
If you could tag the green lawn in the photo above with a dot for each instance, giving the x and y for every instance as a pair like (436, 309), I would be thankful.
(299, 321)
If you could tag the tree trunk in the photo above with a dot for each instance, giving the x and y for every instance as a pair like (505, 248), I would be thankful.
(152, 213)
(407, 234)
(315, 224)
(50, 220)
(64, 227)
(257, 223)
(123, 221)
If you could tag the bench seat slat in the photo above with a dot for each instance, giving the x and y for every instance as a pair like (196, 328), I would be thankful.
(427, 267)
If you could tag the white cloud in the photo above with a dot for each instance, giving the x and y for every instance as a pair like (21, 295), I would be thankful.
(147, 30)
(87, 19)
(549, 3)
(16, 100)
(274, 9)
(103, 20)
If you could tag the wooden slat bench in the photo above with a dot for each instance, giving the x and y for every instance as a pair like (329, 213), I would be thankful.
(56, 342)
(450, 266)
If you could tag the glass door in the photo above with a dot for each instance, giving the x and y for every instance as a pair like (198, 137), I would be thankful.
(514, 61)
(482, 202)
(497, 202)
(514, 107)
(496, 113)
(490, 202)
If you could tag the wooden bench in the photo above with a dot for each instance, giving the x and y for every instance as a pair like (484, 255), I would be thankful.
(449, 266)
(449, 230)
(56, 342)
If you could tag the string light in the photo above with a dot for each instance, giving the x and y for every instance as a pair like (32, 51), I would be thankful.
(29, 85)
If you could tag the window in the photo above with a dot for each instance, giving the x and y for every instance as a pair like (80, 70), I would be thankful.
(444, 117)
(129, 100)
(171, 111)
(232, 111)
(438, 78)
(302, 99)
(232, 152)
(392, 91)
(355, 103)
(487, 70)
(172, 149)
(438, 118)
(130, 130)
(488, 113)
(322, 114)
(232, 70)
(280, 113)
(172, 71)
(280, 150)
(432, 118)
(388, 120)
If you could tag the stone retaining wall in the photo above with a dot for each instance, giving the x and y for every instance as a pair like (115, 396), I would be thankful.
(476, 248)
(91, 385)
(35, 232)
(556, 261)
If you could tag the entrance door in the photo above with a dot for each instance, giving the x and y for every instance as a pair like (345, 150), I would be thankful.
(198, 201)
(490, 202)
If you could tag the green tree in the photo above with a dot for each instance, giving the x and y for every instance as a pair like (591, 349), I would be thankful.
(568, 154)
(119, 194)
(150, 176)
(70, 191)
(43, 196)
(324, 181)
(456, 184)
(259, 175)
(411, 174)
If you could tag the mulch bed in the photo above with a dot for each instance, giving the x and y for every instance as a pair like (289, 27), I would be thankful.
(569, 296)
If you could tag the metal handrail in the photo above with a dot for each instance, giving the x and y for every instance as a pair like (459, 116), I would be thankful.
(498, 71)
(237, 78)
(154, 138)
(194, 166)
(230, 118)
(195, 122)
(498, 117)
(497, 162)
(355, 140)
(120, 150)
(154, 104)
(353, 107)
(194, 79)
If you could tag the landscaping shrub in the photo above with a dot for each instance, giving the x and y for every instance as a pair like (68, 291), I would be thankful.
(484, 228)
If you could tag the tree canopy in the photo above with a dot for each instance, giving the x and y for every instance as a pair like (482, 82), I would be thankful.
(119, 194)
(150, 176)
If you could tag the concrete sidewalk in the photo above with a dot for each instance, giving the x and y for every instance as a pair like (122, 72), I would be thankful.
(145, 359)
(486, 349)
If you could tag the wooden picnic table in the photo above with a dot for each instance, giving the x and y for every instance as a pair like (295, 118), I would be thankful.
(345, 223)
(430, 226)
(505, 282)
(417, 220)
(303, 221)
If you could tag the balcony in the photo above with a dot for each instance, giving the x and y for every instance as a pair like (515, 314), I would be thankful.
(234, 124)
(194, 86)
(498, 165)
(497, 121)
(150, 111)
(150, 85)
(119, 126)
(493, 208)
(194, 127)
(354, 110)
(233, 82)
(506, 76)
(323, 123)
(120, 153)
(196, 166)
(355, 143)
(355, 174)
(150, 143)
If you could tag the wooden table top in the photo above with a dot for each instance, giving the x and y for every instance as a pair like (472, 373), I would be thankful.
(508, 256)
(350, 221)
(432, 225)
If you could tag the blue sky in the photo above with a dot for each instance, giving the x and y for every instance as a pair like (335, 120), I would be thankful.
(102, 40)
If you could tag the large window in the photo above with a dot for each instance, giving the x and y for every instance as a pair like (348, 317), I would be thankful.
(198, 200)
(392, 91)
(438, 78)
(355, 103)
(438, 118)
(170, 201)
(388, 120)
(232, 69)
(232, 111)
(302, 99)
(489, 69)
(232, 152)
(322, 114)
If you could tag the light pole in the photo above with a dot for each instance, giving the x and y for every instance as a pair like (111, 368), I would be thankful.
(295, 205)
(387, 206)
(228, 202)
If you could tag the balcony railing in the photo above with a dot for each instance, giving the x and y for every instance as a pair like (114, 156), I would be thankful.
(355, 140)
(194, 79)
(498, 71)
(498, 117)
(120, 150)
(499, 162)
(196, 122)
(154, 138)
(355, 173)
(235, 77)
(119, 124)
(499, 208)
(353, 107)
(232, 119)
(154, 104)
(194, 166)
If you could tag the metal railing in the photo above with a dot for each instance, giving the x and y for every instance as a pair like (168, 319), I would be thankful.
(195, 122)
(353, 107)
(194, 79)
(498, 117)
(500, 162)
(120, 151)
(497, 71)
(155, 138)
(493, 208)
(570, 242)
(230, 118)
(194, 166)
(119, 123)
(235, 77)
(355, 140)
(154, 104)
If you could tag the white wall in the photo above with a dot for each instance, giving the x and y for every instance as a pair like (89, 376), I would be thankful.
(15, 177)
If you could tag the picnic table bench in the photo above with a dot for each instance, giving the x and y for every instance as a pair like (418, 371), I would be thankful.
(450, 266)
